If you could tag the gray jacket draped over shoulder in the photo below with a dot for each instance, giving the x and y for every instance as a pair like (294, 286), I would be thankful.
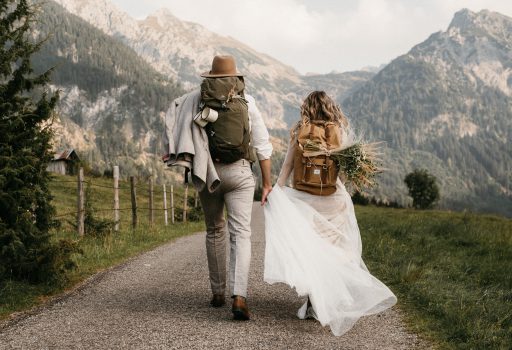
(186, 143)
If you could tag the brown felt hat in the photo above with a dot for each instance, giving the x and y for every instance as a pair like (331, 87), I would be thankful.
(222, 66)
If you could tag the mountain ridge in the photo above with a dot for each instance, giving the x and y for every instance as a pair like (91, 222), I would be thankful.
(448, 97)
(112, 102)
(184, 49)
(444, 105)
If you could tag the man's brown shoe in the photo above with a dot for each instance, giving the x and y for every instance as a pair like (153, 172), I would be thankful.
(240, 309)
(218, 300)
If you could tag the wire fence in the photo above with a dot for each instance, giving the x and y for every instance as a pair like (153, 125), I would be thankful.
(170, 197)
(140, 187)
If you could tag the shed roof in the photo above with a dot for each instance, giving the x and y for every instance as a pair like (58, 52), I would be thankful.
(65, 155)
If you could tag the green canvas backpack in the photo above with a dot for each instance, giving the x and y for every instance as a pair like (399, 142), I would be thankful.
(229, 136)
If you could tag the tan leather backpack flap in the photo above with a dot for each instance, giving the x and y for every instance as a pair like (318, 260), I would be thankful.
(316, 175)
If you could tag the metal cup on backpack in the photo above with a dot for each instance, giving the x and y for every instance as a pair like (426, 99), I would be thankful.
(205, 116)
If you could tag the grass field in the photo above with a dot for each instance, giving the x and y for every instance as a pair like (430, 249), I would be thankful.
(452, 272)
(98, 252)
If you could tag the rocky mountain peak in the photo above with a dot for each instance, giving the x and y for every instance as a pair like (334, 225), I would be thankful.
(163, 18)
(104, 15)
(453, 95)
(480, 43)
(480, 23)
(463, 19)
(165, 22)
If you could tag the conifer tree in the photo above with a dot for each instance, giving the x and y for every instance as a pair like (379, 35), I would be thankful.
(26, 109)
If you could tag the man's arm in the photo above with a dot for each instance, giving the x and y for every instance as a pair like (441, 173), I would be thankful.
(266, 180)
(261, 142)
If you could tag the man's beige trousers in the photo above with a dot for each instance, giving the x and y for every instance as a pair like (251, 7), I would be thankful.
(236, 193)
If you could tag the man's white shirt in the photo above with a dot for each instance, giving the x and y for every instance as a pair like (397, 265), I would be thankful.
(260, 135)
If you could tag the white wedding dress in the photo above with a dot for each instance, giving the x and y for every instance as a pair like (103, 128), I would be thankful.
(313, 245)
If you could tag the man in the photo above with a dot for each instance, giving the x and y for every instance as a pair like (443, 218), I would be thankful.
(225, 176)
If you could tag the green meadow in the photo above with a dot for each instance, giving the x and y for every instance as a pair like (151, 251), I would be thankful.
(101, 251)
(452, 272)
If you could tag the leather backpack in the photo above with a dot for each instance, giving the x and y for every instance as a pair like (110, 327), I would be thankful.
(229, 136)
(316, 174)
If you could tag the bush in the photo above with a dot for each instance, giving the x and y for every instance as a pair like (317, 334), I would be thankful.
(360, 199)
(193, 214)
(108, 173)
(422, 188)
(94, 226)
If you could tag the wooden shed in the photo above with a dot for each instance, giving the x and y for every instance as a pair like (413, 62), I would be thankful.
(64, 162)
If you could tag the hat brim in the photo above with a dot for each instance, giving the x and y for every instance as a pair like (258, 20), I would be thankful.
(209, 75)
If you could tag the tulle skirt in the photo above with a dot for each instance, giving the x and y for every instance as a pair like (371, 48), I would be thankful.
(313, 245)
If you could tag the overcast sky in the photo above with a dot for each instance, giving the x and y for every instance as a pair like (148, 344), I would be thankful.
(321, 35)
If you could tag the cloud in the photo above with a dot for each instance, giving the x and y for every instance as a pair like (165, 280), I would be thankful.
(321, 35)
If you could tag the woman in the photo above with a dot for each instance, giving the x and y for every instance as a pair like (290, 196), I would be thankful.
(313, 242)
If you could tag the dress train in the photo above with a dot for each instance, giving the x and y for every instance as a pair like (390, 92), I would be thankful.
(313, 245)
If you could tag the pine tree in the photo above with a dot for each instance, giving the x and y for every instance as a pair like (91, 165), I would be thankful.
(26, 109)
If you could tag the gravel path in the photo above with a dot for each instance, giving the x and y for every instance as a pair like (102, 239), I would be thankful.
(160, 301)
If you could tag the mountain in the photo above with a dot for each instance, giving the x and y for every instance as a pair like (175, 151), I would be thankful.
(112, 101)
(446, 106)
(182, 50)
(117, 77)
(337, 85)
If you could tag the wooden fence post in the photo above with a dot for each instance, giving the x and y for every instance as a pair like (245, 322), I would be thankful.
(80, 203)
(165, 206)
(116, 198)
(134, 202)
(185, 203)
(172, 204)
(151, 207)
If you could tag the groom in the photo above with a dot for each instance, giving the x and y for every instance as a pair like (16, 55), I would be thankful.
(235, 192)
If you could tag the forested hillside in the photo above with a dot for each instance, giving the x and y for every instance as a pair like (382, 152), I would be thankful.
(447, 106)
(183, 50)
(112, 101)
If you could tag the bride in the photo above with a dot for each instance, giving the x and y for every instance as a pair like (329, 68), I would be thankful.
(313, 242)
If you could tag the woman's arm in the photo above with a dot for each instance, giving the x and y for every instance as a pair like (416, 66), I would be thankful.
(287, 167)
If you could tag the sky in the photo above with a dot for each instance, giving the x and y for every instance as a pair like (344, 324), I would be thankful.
(321, 36)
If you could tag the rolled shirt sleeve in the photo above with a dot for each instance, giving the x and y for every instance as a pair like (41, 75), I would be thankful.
(260, 136)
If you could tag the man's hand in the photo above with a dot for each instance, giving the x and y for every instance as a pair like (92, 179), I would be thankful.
(264, 194)
(265, 175)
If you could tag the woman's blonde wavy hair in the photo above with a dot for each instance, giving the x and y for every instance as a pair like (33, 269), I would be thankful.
(319, 106)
